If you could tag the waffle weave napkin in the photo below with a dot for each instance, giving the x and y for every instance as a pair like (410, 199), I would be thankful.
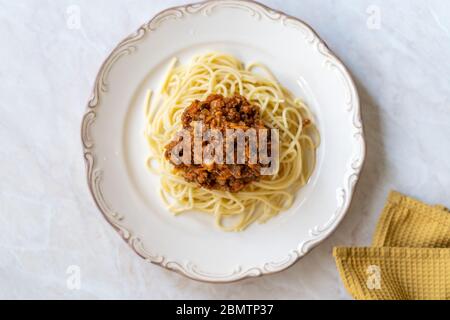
(409, 258)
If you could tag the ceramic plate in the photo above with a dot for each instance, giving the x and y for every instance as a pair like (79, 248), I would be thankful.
(115, 149)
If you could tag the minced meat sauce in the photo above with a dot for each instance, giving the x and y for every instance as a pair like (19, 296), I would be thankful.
(221, 113)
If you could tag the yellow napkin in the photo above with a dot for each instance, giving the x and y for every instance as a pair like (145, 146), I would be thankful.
(409, 257)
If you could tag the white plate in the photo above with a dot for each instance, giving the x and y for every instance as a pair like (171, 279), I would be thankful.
(115, 148)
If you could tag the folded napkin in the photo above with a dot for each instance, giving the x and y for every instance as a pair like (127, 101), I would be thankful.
(409, 257)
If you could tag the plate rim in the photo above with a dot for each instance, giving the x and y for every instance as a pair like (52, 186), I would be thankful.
(114, 219)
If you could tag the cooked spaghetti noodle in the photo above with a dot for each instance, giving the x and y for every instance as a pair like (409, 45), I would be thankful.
(223, 74)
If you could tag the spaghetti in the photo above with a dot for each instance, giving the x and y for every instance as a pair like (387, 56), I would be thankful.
(225, 75)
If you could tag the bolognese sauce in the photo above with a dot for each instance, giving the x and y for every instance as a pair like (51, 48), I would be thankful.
(219, 113)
